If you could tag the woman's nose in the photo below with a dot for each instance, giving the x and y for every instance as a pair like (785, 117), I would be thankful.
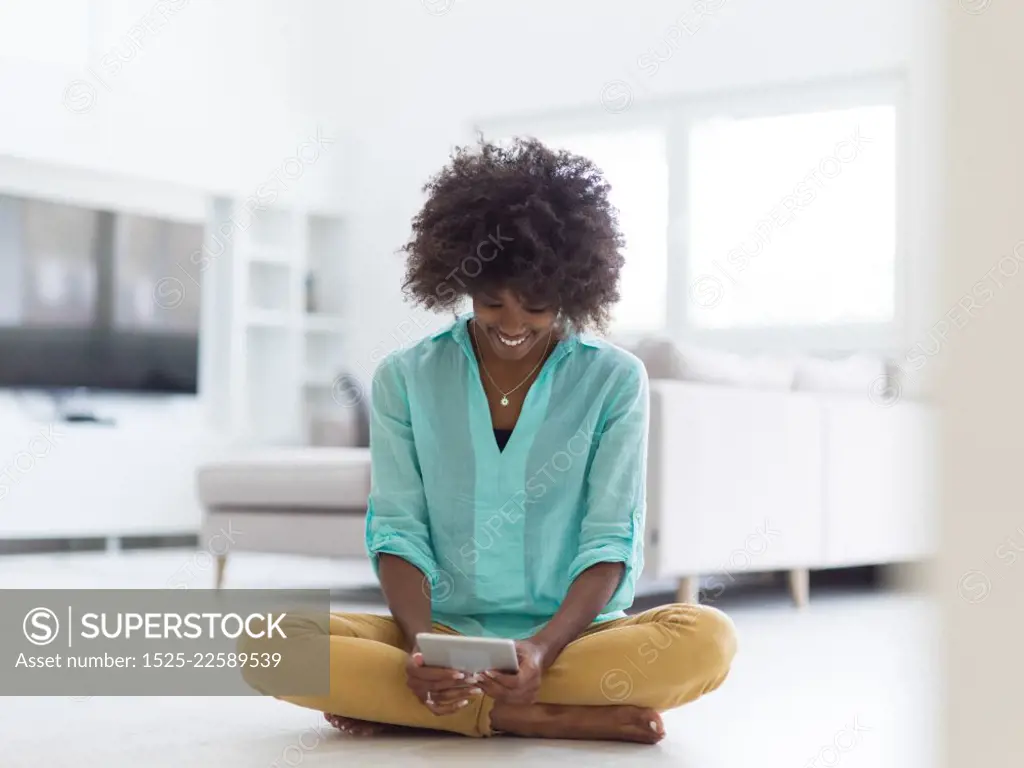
(511, 322)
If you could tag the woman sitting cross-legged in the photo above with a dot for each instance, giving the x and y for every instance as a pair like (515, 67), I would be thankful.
(509, 456)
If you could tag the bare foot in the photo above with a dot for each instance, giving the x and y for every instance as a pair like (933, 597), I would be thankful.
(557, 721)
(352, 727)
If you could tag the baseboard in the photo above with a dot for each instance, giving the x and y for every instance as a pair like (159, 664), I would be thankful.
(96, 544)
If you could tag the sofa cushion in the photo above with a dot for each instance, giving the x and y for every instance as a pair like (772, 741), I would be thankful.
(856, 373)
(666, 359)
(316, 478)
(345, 422)
(715, 366)
(660, 357)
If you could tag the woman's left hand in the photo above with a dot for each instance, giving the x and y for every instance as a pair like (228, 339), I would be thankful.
(519, 688)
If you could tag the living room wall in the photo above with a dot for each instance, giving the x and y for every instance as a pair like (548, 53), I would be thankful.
(225, 106)
(496, 58)
(210, 96)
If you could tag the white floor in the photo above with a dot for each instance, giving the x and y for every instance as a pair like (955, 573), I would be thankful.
(848, 682)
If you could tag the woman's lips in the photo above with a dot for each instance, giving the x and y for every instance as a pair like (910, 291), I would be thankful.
(511, 341)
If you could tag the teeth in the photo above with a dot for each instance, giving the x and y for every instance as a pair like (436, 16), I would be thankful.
(508, 341)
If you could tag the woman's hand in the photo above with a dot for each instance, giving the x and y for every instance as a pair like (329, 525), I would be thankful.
(442, 690)
(522, 687)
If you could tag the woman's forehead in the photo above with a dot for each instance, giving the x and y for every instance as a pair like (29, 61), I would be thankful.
(517, 293)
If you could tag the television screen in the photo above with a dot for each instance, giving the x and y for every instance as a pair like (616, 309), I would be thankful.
(97, 299)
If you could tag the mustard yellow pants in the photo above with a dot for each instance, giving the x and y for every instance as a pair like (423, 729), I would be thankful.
(662, 658)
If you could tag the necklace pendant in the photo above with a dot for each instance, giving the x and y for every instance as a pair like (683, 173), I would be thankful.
(504, 401)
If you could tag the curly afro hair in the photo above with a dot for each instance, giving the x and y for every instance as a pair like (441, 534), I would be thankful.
(524, 217)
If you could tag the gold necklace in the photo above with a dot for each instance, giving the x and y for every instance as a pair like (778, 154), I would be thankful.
(504, 395)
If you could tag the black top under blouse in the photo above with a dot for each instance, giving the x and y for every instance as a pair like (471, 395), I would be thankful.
(502, 436)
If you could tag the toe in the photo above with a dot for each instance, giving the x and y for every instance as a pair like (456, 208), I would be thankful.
(656, 724)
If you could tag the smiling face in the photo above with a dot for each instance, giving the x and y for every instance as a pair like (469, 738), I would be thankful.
(511, 324)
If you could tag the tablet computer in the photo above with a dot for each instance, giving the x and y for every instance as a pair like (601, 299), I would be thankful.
(468, 654)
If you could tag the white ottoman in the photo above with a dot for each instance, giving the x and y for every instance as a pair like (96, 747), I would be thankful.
(309, 501)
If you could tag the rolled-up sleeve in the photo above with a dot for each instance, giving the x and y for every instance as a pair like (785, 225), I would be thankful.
(612, 528)
(396, 518)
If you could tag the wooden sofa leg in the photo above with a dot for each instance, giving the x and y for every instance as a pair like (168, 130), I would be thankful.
(222, 563)
(688, 590)
(800, 586)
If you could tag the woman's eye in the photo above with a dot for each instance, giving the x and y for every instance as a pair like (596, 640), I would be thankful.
(536, 310)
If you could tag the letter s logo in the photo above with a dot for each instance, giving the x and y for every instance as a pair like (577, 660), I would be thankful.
(41, 626)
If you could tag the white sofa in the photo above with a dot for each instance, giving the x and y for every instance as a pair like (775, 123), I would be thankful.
(304, 501)
(744, 480)
(740, 480)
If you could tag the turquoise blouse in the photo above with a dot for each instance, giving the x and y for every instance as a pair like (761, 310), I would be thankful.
(501, 535)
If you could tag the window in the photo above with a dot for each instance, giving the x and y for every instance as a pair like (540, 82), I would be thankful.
(793, 220)
(753, 219)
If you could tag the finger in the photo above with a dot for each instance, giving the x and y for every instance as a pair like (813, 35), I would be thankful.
(504, 680)
(442, 686)
(426, 669)
(434, 674)
(455, 695)
(448, 709)
(447, 695)
(436, 686)
(493, 689)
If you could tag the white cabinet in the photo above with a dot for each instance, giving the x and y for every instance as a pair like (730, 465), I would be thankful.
(134, 477)
(272, 340)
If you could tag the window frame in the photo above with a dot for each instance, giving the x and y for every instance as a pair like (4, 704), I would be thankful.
(675, 116)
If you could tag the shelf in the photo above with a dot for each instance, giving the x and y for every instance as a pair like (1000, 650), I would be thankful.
(280, 361)
(274, 318)
(268, 318)
(314, 323)
(278, 256)
(315, 380)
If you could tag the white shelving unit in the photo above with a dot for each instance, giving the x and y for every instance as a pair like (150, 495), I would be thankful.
(272, 343)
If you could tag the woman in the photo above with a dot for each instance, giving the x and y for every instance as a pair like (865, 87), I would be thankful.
(508, 484)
